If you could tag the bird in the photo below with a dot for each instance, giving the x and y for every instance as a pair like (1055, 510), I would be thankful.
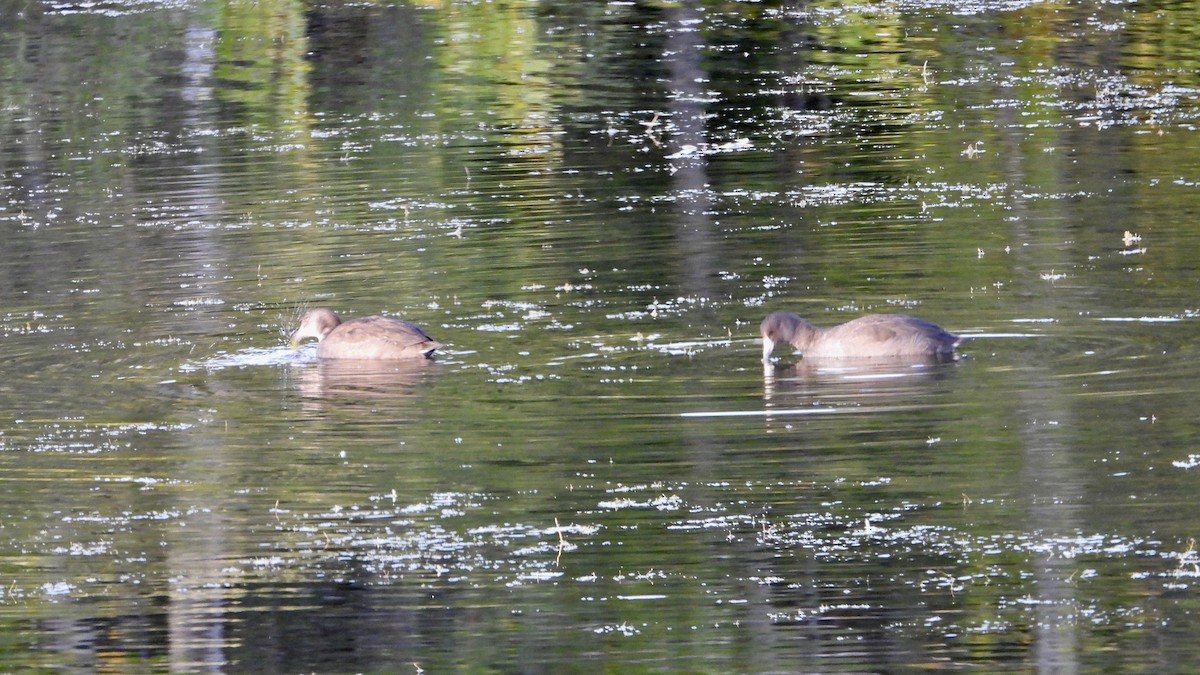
(369, 337)
(871, 336)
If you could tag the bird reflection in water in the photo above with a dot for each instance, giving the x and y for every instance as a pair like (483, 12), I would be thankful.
(365, 379)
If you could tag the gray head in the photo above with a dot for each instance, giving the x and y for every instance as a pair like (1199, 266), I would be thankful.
(784, 327)
(317, 323)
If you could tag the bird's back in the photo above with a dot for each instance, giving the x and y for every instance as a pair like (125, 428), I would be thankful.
(883, 335)
(376, 337)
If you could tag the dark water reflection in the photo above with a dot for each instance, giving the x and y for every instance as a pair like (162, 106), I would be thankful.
(592, 206)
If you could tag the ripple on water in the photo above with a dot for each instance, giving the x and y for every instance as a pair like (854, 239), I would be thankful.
(80, 437)
(817, 566)
(254, 357)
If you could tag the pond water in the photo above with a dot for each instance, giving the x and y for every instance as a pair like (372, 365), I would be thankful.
(592, 205)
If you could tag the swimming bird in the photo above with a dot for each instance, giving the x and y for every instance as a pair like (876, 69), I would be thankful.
(370, 337)
(871, 336)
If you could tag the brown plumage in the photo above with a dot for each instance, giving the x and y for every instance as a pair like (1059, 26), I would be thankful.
(371, 337)
(871, 336)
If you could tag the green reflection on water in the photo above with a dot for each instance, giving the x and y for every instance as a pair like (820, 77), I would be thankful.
(592, 205)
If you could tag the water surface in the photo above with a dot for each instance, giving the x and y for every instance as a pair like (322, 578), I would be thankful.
(592, 206)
